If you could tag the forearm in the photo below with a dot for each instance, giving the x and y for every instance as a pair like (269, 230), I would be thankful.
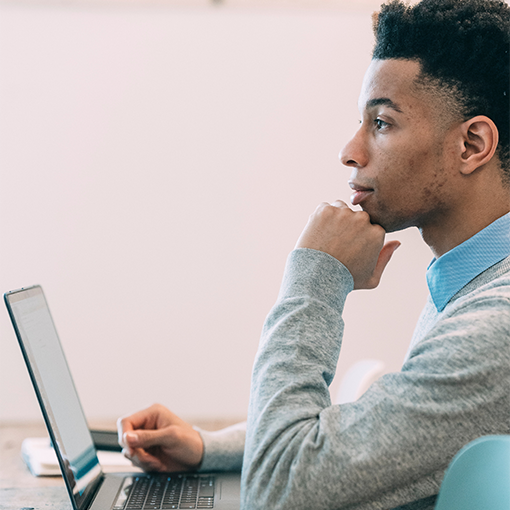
(301, 337)
(294, 367)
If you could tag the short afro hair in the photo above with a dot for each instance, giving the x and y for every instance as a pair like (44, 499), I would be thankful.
(462, 47)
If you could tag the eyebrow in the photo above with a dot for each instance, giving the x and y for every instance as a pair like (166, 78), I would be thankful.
(386, 101)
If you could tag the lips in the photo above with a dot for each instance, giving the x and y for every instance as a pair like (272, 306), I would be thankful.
(360, 193)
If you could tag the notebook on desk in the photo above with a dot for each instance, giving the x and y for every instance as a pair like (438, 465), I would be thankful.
(88, 487)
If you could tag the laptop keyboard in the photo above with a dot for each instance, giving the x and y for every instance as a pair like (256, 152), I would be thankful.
(169, 491)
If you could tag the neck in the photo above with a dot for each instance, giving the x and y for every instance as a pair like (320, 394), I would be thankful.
(474, 201)
(451, 231)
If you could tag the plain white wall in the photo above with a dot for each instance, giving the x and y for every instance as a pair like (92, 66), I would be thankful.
(157, 165)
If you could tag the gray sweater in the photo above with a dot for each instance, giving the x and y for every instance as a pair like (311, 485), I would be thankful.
(390, 448)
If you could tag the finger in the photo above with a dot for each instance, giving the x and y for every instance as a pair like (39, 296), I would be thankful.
(146, 461)
(127, 452)
(165, 437)
(385, 255)
(123, 426)
(128, 425)
(130, 440)
(144, 419)
(340, 204)
(131, 422)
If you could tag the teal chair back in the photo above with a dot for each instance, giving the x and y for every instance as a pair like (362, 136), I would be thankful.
(478, 477)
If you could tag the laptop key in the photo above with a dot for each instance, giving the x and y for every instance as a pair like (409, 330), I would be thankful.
(205, 503)
(207, 488)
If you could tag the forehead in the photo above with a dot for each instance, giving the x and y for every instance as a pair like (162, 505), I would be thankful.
(392, 80)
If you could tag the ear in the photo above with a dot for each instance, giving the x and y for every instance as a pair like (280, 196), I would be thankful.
(480, 139)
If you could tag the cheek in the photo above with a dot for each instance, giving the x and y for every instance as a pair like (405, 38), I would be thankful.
(400, 172)
(408, 170)
(428, 177)
(411, 176)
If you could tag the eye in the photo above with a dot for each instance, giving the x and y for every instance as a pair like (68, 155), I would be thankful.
(380, 124)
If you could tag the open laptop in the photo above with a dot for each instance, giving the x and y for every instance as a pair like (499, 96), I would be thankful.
(89, 488)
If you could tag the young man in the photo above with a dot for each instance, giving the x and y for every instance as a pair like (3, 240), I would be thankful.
(432, 151)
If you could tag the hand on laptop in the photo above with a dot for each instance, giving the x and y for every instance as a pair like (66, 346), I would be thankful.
(155, 439)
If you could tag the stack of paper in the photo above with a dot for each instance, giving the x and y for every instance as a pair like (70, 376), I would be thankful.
(41, 459)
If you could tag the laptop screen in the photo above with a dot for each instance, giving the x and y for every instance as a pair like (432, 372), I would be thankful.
(56, 391)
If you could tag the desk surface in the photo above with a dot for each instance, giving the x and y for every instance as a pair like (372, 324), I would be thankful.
(20, 490)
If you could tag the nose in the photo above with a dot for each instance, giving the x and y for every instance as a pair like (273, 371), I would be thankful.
(354, 153)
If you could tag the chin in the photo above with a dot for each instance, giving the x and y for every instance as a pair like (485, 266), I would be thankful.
(388, 223)
(375, 219)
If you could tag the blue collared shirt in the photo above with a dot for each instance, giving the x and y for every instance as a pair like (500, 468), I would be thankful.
(456, 268)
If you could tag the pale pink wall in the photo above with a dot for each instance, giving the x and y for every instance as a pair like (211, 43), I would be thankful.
(157, 165)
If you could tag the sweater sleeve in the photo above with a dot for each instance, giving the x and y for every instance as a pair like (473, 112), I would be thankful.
(389, 448)
(223, 449)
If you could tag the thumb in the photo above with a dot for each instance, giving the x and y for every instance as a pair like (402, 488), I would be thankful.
(147, 438)
(385, 255)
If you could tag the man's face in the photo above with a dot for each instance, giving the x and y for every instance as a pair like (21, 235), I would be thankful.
(401, 157)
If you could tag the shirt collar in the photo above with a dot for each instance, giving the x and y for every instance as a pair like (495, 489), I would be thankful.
(456, 268)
